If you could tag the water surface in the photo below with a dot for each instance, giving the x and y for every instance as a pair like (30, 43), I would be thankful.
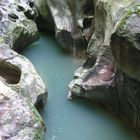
(66, 120)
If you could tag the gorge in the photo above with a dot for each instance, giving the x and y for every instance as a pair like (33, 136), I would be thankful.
(103, 33)
(67, 120)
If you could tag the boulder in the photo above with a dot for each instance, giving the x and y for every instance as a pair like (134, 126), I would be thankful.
(68, 18)
(44, 19)
(19, 118)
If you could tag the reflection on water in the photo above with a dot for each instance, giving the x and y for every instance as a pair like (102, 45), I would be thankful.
(76, 120)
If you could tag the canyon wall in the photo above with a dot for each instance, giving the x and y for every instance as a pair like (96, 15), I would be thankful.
(107, 32)
(110, 74)
(21, 88)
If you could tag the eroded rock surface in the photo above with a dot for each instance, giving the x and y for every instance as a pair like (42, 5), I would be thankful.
(127, 55)
(16, 27)
(72, 20)
(21, 87)
(125, 43)
(19, 119)
(110, 75)
(44, 19)
(100, 56)
(21, 76)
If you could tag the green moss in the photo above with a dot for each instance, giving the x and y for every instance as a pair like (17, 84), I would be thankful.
(39, 132)
(1, 40)
(37, 116)
(135, 9)
(38, 136)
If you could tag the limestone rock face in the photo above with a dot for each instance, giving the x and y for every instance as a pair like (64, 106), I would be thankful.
(16, 27)
(21, 88)
(70, 18)
(125, 43)
(110, 76)
(127, 95)
(100, 56)
(21, 76)
(44, 19)
(19, 119)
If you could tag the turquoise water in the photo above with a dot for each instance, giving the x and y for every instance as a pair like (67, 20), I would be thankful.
(70, 120)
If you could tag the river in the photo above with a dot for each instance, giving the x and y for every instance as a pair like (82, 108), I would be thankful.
(70, 120)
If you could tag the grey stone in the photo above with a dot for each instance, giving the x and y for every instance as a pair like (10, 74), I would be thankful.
(68, 16)
(99, 50)
(22, 90)
(125, 43)
(110, 76)
(19, 119)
